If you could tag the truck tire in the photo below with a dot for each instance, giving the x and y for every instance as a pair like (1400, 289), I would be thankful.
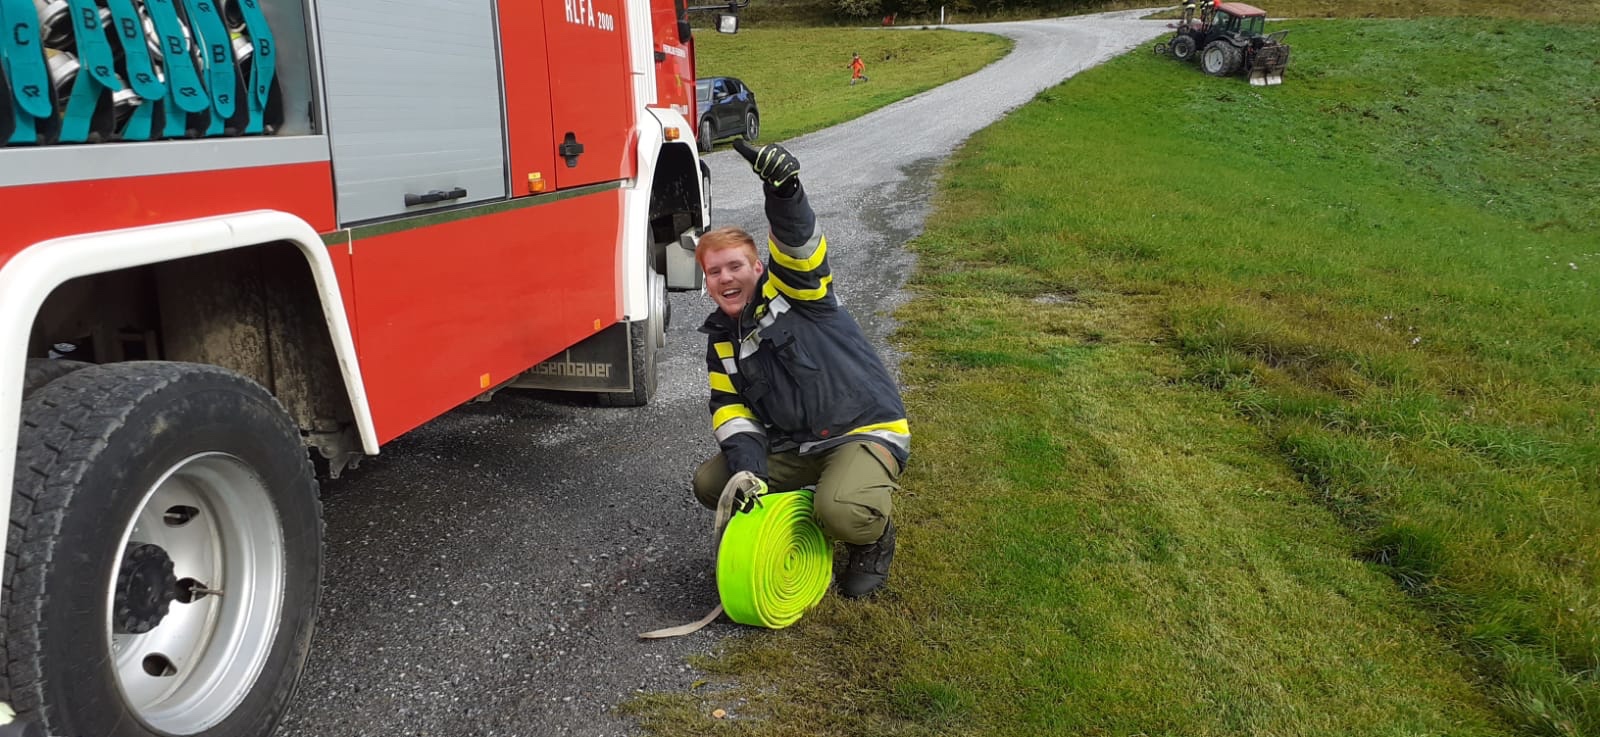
(165, 556)
(705, 136)
(1182, 48)
(41, 371)
(645, 340)
(1220, 58)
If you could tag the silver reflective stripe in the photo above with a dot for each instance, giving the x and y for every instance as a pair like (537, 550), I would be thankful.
(898, 439)
(730, 366)
(738, 425)
(798, 253)
(776, 307)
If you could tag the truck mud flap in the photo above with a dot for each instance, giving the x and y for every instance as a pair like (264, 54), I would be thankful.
(598, 364)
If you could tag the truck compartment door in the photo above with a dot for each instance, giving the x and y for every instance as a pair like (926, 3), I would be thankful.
(591, 92)
(414, 109)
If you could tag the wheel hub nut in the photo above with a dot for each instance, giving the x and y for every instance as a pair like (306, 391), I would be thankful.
(146, 588)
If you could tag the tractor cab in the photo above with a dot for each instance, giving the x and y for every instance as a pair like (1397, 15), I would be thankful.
(1238, 19)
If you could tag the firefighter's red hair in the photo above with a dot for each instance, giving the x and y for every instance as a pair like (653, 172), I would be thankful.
(724, 238)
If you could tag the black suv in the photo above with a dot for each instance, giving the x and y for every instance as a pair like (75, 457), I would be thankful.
(727, 109)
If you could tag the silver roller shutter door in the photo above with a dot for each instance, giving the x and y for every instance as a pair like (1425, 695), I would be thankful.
(413, 89)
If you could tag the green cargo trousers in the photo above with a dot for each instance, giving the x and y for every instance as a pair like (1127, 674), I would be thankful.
(853, 482)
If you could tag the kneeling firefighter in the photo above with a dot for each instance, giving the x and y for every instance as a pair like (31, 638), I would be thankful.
(799, 397)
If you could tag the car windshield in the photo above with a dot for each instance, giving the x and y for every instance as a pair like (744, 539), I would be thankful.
(702, 90)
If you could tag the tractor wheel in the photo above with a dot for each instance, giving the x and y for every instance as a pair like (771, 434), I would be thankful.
(1220, 59)
(1182, 48)
(1160, 49)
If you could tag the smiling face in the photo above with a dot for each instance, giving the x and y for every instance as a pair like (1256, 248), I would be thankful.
(728, 257)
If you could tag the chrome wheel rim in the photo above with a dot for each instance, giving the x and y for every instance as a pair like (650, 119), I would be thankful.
(213, 518)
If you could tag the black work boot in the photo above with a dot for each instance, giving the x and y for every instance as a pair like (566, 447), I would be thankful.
(868, 567)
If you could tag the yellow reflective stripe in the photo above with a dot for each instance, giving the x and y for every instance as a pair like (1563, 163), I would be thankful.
(899, 426)
(721, 383)
(804, 295)
(730, 412)
(797, 264)
(724, 350)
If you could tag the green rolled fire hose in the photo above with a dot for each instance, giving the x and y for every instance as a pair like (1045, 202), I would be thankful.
(773, 564)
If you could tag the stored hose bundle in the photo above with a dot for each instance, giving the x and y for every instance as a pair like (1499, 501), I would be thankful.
(774, 563)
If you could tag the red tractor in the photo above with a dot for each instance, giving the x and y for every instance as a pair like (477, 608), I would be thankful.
(1229, 38)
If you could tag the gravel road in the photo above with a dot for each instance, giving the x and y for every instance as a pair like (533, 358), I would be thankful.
(488, 572)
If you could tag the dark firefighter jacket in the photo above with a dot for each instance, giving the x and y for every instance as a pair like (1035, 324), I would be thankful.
(795, 372)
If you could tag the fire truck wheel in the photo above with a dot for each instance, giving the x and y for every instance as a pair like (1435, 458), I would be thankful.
(645, 338)
(705, 191)
(42, 371)
(165, 555)
(1182, 48)
(705, 136)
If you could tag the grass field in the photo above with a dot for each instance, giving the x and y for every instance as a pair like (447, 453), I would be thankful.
(1242, 412)
(801, 77)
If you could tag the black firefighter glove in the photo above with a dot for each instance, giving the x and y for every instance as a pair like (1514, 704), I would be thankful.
(778, 168)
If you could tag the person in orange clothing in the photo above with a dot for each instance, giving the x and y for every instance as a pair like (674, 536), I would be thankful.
(857, 69)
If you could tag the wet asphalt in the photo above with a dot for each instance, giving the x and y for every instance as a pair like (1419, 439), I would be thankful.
(488, 573)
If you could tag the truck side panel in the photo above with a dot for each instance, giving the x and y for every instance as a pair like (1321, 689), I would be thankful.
(59, 209)
(591, 89)
(527, 84)
(446, 311)
(674, 60)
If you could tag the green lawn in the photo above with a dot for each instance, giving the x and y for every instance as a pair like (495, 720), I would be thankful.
(1242, 411)
(801, 77)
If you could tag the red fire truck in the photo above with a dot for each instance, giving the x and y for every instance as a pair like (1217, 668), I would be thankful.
(245, 240)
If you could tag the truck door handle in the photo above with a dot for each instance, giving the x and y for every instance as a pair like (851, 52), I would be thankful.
(437, 195)
(570, 149)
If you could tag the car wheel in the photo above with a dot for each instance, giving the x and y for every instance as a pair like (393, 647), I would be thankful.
(706, 132)
(165, 557)
(752, 126)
